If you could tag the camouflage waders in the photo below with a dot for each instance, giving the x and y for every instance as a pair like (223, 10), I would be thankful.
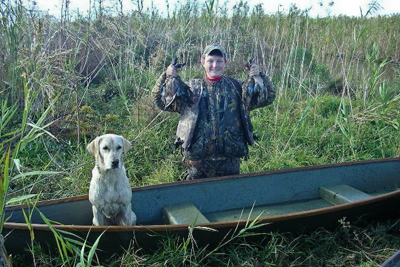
(211, 168)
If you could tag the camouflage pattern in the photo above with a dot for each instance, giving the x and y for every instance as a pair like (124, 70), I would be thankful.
(214, 123)
(219, 128)
(211, 168)
(209, 48)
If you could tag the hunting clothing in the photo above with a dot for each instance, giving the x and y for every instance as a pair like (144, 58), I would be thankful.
(214, 125)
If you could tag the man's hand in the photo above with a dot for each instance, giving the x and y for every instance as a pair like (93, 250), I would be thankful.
(172, 71)
(254, 70)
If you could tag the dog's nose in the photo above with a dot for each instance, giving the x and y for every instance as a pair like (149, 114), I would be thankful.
(115, 163)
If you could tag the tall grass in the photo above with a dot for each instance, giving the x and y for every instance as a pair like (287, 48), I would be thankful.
(64, 81)
(16, 132)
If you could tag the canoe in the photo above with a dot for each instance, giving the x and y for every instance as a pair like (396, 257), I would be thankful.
(215, 209)
(393, 261)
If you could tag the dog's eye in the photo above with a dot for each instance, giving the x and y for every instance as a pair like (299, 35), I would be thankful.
(119, 147)
(105, 148)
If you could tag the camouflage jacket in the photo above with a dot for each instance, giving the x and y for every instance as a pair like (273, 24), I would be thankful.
(214, 120)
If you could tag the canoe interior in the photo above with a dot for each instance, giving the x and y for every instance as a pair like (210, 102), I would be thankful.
(240, 197)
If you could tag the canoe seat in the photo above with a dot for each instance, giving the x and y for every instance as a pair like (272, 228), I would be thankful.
(341, 194)
(184, 213)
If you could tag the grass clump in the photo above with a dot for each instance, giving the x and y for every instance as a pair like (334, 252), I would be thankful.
(346, 246)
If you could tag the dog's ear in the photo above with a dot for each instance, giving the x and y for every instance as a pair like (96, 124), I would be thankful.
(92, 146)
(126, 144)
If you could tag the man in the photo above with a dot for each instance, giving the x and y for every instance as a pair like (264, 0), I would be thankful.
(214, 129)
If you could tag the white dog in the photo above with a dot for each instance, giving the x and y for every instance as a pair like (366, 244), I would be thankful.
(109, 192)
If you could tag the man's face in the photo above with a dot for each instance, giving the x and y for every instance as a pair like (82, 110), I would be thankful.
(214, 65)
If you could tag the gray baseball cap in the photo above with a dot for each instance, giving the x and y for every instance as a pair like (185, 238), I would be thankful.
(213, 47)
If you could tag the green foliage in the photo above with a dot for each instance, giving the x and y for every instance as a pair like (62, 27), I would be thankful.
(348, 245)
(14, 141)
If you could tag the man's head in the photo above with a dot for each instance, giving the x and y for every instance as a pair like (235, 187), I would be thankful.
(214, 60)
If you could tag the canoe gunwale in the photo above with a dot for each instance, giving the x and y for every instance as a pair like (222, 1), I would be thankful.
(213, 225)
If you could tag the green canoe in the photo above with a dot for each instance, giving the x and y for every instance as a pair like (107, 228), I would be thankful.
(297, 199)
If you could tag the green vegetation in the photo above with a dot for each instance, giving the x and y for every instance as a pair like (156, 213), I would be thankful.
(65, 81)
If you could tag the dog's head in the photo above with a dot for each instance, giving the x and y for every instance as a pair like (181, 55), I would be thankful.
(107, 150)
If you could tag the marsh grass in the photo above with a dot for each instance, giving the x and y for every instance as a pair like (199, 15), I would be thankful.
(67, 80)
(348, 245)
